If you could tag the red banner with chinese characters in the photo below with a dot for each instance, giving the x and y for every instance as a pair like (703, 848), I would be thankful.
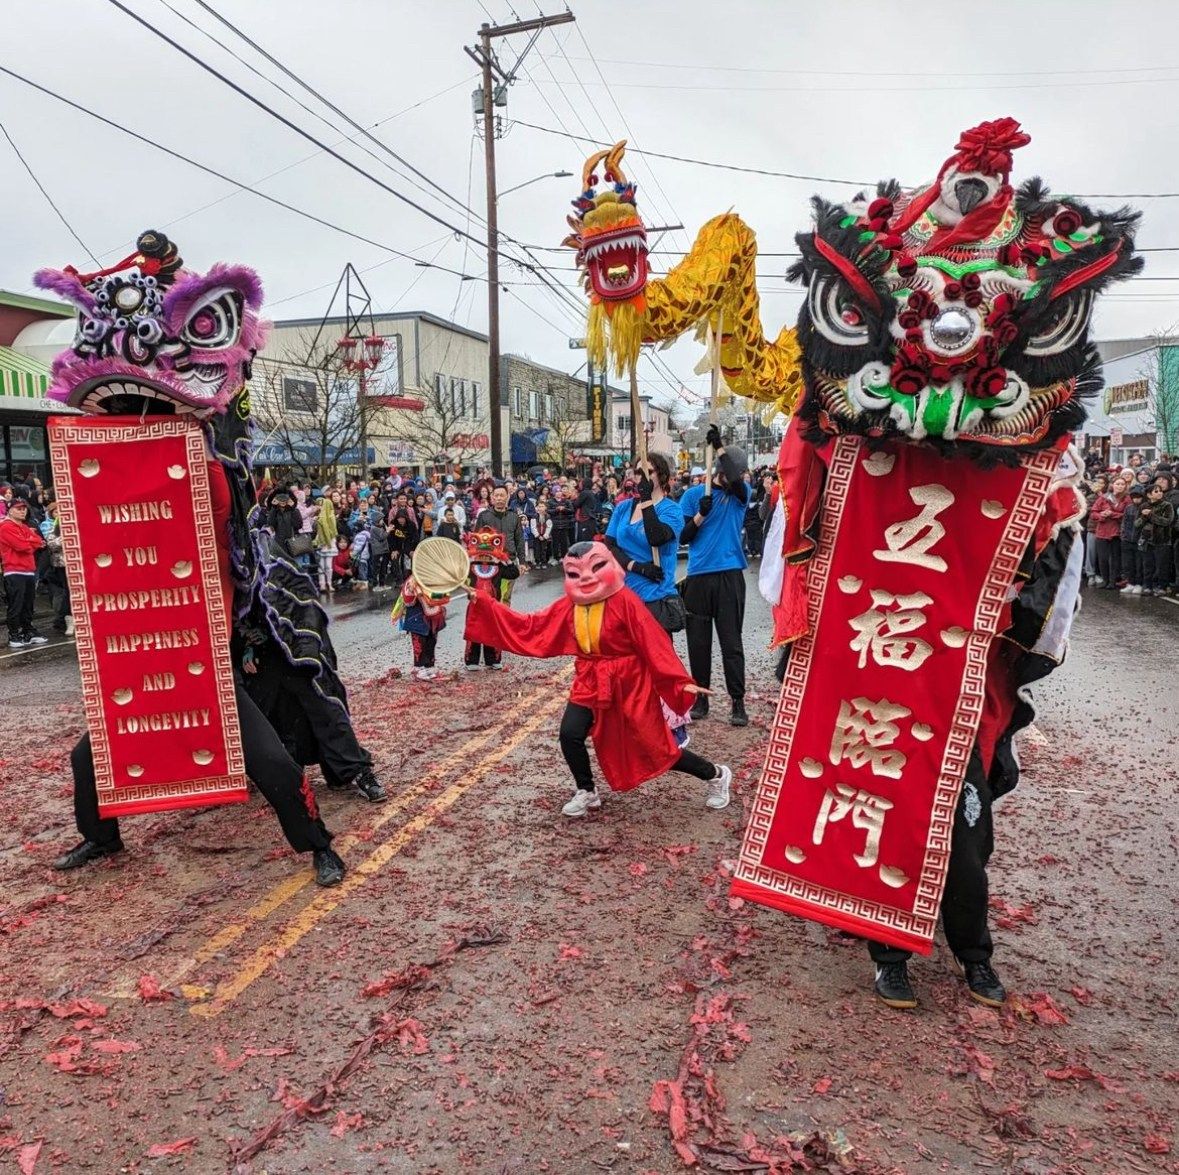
(882, 699)
(151, 622)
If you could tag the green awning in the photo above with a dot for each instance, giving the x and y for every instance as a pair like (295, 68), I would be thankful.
(21, 377)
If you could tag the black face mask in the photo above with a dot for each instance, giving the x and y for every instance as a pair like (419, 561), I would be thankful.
(646, 487)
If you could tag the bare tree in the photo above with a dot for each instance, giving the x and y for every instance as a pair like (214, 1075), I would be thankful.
(444, 430)
(567, 429)
(309, 408)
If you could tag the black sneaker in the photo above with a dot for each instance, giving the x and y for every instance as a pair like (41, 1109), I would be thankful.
(329, 868)
(893, 987)
(366, 784)
(700, 709)
(985, 986)
(84, 853)
(738, 717)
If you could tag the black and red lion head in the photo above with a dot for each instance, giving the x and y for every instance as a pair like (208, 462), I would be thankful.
(957, 314)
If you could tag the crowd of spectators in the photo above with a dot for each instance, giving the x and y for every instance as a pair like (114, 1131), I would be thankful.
(352, 535)
(357, 536)
(1131, 530)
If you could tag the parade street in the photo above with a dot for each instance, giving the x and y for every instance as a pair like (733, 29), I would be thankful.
(497, 988)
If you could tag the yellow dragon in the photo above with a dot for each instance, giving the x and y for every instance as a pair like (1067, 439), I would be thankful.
(715, 284)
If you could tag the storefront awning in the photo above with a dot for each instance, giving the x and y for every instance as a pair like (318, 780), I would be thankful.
(22, 377)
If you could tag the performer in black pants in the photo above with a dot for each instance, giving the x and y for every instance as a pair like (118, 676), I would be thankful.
(578, 721)
(714, 590)
(309, 709)
(277, 776)
(964, 902)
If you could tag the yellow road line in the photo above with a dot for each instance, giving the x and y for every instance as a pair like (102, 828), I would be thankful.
(315, 911)
(289, 887)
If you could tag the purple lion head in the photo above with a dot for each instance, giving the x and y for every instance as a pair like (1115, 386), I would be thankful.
(155, 339)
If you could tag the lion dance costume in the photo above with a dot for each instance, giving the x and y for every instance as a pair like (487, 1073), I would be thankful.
(492, 573)
(162, 355)
(924, 559)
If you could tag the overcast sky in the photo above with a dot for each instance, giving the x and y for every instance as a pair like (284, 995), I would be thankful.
(835, 89)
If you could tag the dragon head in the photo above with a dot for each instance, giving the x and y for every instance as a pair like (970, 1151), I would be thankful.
(960, 312)
(487, 550)
(155, 339)
(608, 234)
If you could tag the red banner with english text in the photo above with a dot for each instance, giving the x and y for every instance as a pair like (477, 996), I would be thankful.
(881, 703)
(151, 620)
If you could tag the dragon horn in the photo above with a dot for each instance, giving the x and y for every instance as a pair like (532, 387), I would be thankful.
(614, 161)
(588, 169)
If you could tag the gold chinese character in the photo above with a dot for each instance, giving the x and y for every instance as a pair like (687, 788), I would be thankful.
(863, 731)
(866, 811)
(882, 633)
(910, 541)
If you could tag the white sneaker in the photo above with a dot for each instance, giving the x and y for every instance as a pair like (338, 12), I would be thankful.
(420, 674)
(1097, 581)
(498, 666)
(69, 623)
(1128, 590)
(1138, 589)
(37, 639)
(472, 668)
(581, 803)
(18, 644)
(718, 789)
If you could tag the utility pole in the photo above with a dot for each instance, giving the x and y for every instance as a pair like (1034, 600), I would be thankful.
(492, 96)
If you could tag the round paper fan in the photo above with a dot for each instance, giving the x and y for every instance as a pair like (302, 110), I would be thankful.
(440, 566)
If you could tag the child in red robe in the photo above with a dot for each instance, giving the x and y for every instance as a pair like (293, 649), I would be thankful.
(625, 665)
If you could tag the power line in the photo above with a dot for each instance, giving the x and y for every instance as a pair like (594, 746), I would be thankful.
(324, 147)
(123, 129)
(818, 179)
(956, 73)
(625, 126)
(48, 197)
(363, 131)
(196, 60)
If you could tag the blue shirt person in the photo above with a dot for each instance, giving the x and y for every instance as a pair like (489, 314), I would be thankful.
(631, 542)
(714, 590)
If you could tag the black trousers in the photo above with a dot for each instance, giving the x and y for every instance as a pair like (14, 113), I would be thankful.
(21, 591)
(562, 539)
(1131, 562)
(277, 776)
(378, 570)
(716, 598)
(489, 655)
(964, 902)
(1157, 566)
(576, 723)
(1108, 557)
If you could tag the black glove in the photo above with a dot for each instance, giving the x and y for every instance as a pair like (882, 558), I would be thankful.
(704, 507)
(648, 571)
(713, 437)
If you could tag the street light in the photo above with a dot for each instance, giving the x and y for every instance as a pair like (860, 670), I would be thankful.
(372, 349)
(552, 175)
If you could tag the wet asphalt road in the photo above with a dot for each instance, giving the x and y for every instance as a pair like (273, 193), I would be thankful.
(499, 989)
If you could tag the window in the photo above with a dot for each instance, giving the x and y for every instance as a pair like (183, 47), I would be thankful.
(534, 405)
(458, 397)
(519, 400)
(623, 424)
(299, 394)
(548, 408)
(476, 391)
(439, 391)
